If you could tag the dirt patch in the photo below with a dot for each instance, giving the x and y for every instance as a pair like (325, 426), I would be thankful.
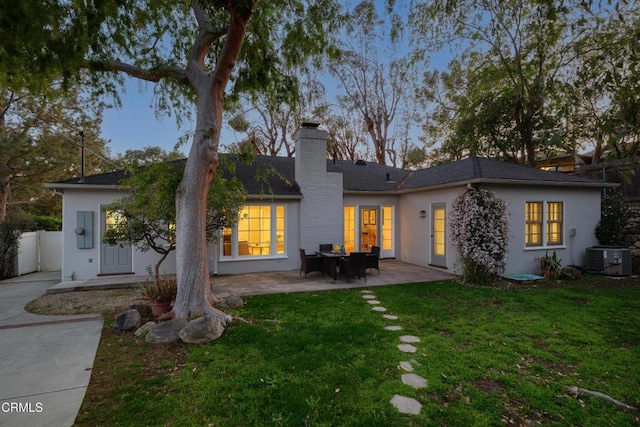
(86, 302)
(580, 301)
(488, 386)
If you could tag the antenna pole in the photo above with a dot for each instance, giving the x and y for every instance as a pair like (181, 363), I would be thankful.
(82, 160)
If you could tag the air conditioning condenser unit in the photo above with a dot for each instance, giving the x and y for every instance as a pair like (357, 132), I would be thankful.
(609, 260)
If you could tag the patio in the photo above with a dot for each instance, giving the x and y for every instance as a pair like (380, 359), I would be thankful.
(391, 271)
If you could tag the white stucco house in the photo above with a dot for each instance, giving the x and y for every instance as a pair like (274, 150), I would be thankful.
(312, 200)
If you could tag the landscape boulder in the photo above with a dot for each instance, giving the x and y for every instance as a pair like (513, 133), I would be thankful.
(202, 330)
(144, 329)
(166, 332)
(129, 320)
(570, 273)
(232, 301)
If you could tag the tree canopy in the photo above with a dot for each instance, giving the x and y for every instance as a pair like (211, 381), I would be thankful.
(529, 76)
(201, 53)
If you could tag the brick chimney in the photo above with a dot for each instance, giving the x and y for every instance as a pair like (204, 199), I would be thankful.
(321, 207)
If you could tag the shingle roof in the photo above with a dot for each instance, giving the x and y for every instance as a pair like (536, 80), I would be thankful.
(478, 169)
(276, 175)
(368, 176)
(265, 175)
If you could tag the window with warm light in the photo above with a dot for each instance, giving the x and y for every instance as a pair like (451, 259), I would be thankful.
(544, 219)
(349, 228)
(533, 224)
(260, 232)
(554, 223)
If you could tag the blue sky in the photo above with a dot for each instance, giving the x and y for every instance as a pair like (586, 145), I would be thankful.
(135, 126)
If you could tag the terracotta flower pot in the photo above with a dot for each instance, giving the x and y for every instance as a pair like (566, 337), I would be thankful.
(159, 308)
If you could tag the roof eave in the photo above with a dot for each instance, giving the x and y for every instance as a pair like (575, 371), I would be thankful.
(67, 186)
(512, 182)
(371, 192)
(274, 196)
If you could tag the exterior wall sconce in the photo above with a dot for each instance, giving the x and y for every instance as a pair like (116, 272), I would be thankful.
(422, 214)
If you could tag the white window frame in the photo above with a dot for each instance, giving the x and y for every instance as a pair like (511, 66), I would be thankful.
(273, 244)
(545, 209)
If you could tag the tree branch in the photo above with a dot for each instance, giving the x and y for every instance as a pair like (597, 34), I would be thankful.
(576, 390)
(151, 75)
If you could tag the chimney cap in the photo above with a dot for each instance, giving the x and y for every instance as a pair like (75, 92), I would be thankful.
(309, 125)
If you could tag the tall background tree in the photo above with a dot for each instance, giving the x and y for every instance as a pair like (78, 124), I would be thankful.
(530, 77)
(375, 82)
(514, 54)
(195, 52)
(40, 141)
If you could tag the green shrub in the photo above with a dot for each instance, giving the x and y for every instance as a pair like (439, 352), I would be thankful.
(613, 218)
(46, 222)
(9, 243)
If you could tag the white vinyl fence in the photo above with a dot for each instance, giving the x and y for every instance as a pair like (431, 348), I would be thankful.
(40, 251)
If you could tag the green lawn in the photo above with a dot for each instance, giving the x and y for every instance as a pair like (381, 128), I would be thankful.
(491, 357)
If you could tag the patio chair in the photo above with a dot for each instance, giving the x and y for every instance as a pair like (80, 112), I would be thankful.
(310, 263)
(328, 247)
(373, 258)
(354, 266)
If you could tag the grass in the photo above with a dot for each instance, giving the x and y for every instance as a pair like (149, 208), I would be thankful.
(491, 357)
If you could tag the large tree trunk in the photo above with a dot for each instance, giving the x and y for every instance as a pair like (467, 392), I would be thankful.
(192, 269)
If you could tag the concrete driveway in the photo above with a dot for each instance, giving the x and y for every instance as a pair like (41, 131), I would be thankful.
(45, 361)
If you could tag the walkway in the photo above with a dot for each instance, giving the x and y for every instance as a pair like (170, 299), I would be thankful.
(45, 361)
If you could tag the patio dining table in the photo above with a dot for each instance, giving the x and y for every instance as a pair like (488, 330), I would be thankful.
(331, 262)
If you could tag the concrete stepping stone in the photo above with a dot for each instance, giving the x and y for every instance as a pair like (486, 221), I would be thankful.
(413, 380)
(393, 328)
(368, 296)
(406, 405)
(406, 366)
(409, 338)
(407, 348)
(379, 308)
(390, 316)
(373, 301)
(366, 291)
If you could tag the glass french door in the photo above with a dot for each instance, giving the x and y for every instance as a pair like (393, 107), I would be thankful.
(438, 235)
(369, 228)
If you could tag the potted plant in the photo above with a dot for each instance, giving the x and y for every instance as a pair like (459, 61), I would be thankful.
(549, 265)
(160, 293)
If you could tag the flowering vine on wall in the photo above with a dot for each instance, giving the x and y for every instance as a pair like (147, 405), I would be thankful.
(479, 224)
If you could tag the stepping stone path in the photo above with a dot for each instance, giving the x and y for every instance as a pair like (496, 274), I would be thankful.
(404, 404)
(406, 366)
(407, 348)
(415, 381)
